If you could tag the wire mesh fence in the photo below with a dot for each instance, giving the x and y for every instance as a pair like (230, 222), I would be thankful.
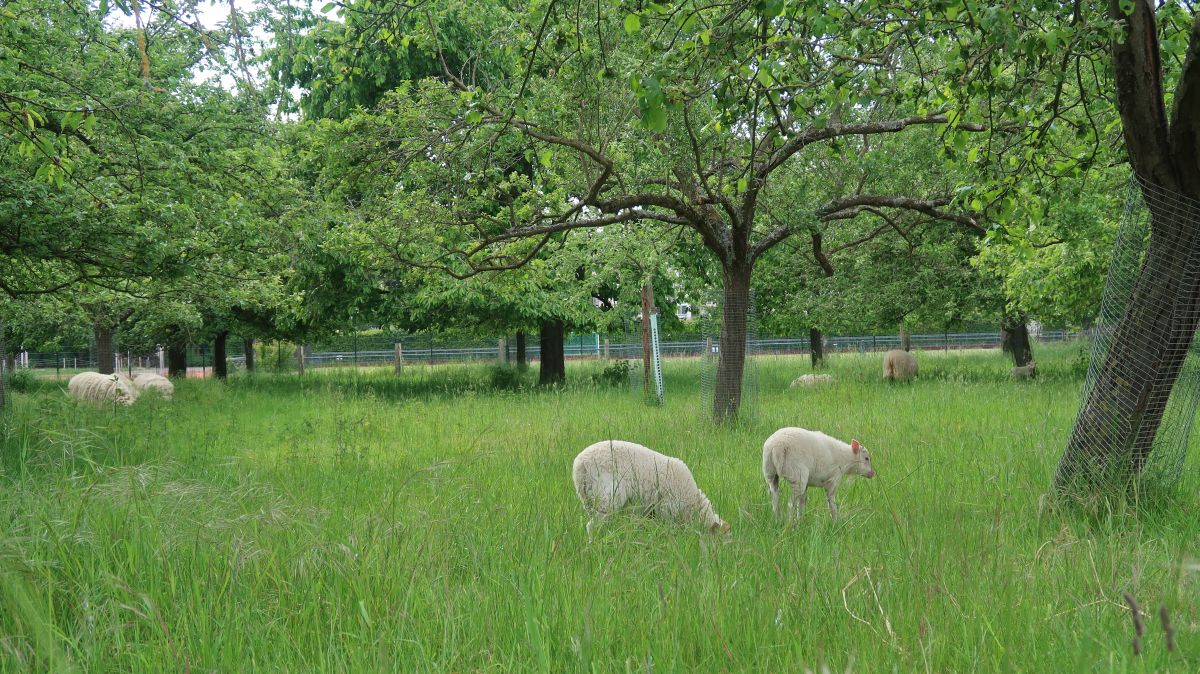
(423, 350)
(1142, 388)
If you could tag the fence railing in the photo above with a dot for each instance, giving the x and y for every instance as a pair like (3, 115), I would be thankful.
(588, 346)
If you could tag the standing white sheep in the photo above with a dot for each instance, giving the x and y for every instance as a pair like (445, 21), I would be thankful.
(613, 473)
(899, 365)
(810, 459)
(1025, 371)
(95, 387)
(149, 381)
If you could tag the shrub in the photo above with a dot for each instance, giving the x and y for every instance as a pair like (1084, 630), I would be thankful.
(614, 374)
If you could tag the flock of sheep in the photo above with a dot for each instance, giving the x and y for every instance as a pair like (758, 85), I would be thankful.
(613, 474)
(93, 387)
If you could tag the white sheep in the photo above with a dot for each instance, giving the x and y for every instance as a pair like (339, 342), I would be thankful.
(613, 473)
(811, 459)
(812, 380)
(1025, 371)
(94, 387)
(899, 365)
(149, 381)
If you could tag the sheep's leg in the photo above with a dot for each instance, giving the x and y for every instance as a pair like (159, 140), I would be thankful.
(773, 487)
(798, 495)
(830, 495)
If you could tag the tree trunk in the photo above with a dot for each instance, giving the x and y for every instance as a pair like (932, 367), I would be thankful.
(105, 356)
(816, 346)
(553, 368)
(177, 359)
(4, 374)
(1114, 432)
(248, 343)
(905, 338)
(731, 364)
(1014, 338)
(220, 363)
(522, 361)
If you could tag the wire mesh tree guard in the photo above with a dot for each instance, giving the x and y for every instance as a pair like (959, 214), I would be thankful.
(709, 370)
(1142, 389)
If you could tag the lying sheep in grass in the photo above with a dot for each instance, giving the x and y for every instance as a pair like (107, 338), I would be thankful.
(94, 387)
(810, 459)
(612, 474)
(148, 381)
(1025, 371)
(812, 380)
(899, 365)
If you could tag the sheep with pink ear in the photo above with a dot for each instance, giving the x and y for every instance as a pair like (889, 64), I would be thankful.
(806, 459)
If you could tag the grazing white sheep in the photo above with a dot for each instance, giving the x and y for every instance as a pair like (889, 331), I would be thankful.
(94, 387)
(613, 473)
(899, 365)
(1025, 371)
(148, 381)
(812, 380)
(811, 459)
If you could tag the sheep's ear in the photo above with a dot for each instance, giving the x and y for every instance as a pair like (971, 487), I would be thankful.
(855, 446)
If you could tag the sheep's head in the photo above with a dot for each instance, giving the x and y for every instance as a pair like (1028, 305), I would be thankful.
(719, 527)
(862, 460)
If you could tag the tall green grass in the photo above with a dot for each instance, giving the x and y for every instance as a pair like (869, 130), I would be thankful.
(358, 521)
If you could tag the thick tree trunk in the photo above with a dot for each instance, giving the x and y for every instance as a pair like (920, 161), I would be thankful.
(553, 367)
(905, 338)
(816, 346)
(177, 359)
(220, 362)
(105, 356)
(248, 343)
(522, 360)
(1014, 338)
(1115, 430)
(731, 365)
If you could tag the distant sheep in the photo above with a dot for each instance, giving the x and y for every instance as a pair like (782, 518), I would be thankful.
(812, 380)
(899, 365)
(93, 387)
(806, 459)
(1025, 371)
(148, 381)
(613, 473)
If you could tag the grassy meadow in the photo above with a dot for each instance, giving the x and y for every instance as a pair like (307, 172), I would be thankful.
(360, 521)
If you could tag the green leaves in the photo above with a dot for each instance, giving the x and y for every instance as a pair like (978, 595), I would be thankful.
(633, 23)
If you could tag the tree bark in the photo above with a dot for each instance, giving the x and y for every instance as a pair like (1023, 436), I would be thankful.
(731, 364)
(1114, 433)
(816, 346)
(177, 359)
(248, 343)
(105, 356)
(553, 367)
(905, 338)
(220, 362)
(522, 360)
(1014, 338)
